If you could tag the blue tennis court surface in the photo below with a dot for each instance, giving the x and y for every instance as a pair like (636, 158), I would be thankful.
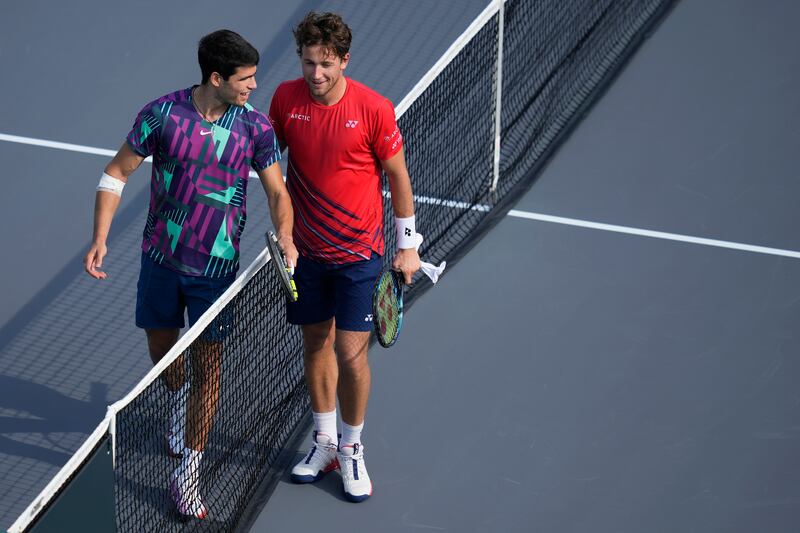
(561, 376)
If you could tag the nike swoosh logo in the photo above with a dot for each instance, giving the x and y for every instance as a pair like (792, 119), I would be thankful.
(203, 132)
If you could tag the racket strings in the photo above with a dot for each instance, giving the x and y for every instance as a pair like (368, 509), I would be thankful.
(387, 302)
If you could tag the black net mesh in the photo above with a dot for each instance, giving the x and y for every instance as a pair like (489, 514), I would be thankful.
(556, 54)
(448, 136)
(262, 396)
(555, 57)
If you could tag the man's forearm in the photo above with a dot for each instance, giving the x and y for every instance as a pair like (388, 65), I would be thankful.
(399, 185)
(282, 214)
(105, 205)
(402, 196)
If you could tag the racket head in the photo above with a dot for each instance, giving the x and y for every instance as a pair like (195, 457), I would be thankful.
(281, 269)
(387, 307)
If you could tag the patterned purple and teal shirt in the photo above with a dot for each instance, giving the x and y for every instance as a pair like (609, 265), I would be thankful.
(199, 183)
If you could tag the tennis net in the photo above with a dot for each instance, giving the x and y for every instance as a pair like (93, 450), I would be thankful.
(477, 129)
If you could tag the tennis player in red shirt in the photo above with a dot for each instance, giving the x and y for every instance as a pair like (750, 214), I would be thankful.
(340, 135)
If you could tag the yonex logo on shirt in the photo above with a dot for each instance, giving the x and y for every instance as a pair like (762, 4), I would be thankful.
(351, 124)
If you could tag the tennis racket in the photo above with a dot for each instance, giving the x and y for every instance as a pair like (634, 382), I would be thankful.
(387, 307)
(281, 268)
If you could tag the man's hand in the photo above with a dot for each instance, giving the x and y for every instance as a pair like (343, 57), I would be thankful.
(94, 261)
(289, 251)
(406, 261)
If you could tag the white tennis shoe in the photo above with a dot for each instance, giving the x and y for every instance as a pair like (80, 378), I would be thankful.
(357, 485)
(319, 460)
(185, 494)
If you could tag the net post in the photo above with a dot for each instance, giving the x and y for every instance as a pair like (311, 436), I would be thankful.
(498, 92)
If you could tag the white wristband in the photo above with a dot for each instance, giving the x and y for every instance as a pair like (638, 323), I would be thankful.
(110, 184)
(406, 232)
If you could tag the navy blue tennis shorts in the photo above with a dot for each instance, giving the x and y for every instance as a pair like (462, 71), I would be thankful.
(163, 295)
(328, 291)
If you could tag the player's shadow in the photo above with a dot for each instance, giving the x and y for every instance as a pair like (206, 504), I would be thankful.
(126, 219)
(44, 411)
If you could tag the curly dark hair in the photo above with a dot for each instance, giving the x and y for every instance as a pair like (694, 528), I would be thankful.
(326, 29)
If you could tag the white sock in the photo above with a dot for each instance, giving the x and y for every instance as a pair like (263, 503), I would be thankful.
(351, 434)
(326, 423)
(189, 472)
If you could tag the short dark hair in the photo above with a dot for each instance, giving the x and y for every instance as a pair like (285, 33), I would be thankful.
(223, 51)
(326, 29)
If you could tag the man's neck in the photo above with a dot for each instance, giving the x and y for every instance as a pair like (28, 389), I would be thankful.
(207, 103)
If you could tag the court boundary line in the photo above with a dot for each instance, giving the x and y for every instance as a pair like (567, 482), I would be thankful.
(653, 234)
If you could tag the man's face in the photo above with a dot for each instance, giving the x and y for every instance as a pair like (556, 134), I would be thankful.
(237, 88)
(322, 70)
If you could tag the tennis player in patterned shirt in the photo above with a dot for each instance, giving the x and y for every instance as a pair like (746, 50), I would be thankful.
(204, 140)
(340, 135)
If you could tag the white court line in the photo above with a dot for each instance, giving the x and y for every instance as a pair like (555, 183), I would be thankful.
(444, 203)
(653, 234)
(72, 147)
(463, 205)
(57, 145)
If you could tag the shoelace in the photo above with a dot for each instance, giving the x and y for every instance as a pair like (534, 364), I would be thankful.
(359, 465)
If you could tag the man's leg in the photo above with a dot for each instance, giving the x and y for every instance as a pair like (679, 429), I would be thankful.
(321, 370)
(206, 360)
(353, 389)
(204, 394)
(159, 342)
(354, 375)
(321, 374)
(354, 286)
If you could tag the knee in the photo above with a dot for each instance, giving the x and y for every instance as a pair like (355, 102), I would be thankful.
(351, 359)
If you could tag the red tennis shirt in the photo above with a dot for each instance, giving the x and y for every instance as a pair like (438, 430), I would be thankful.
(333, 172)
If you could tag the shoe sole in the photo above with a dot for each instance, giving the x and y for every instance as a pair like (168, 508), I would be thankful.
(307, 478)
(358, 499)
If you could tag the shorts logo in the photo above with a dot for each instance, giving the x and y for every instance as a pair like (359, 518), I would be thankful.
(368, 318)
(351, 124)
